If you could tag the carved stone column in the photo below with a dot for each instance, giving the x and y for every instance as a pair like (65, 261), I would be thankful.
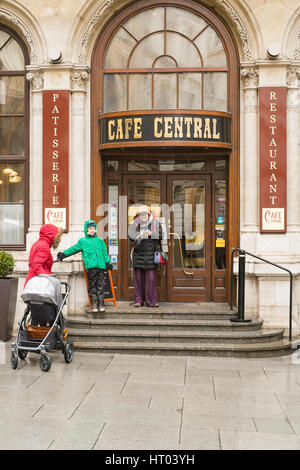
(293, 175)
(249, 153)
(79, 161)
(36, 79)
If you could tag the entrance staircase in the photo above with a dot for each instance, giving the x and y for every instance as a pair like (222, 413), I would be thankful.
(175, 329)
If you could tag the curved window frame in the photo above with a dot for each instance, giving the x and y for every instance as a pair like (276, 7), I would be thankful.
(121, 76)
(24, 158)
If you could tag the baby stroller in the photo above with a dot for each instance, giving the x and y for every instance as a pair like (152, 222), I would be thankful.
(42, 327)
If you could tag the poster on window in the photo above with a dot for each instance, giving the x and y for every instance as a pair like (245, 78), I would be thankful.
(56, 157)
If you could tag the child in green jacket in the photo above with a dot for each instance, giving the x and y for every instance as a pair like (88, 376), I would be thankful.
(96, 261)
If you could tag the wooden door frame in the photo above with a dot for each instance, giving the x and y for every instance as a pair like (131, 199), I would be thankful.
(233, 99)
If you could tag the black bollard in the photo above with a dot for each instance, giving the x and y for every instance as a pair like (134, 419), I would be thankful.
(241, 289)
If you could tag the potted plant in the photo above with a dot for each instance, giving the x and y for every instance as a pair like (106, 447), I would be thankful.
(8, 296)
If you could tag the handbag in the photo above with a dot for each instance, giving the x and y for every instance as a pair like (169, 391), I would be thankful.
(160, 257)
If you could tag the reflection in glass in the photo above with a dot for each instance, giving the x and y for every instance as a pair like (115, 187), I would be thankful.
(184, 21)
(11, 135)
(165, 165)
(211, 48)
(165, 91)
(189, 216)
(165, 62)
(119, 49)
(190, 91)
(183, 50)
(11, 95)
(112, 165)
(140, 91)
(147, 51)
(215, 91)
(220, 223)
(11, 56)
(115, 86)
(146, 22)
(11, 224)
(12, 182)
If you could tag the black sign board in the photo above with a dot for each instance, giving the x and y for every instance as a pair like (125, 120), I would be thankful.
(210, 128)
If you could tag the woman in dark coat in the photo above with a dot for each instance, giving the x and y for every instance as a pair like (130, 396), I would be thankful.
(146, 232)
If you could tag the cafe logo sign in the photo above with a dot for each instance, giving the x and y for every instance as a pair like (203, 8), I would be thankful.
(198, 128)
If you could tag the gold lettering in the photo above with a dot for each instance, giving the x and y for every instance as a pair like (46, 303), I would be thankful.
(55, 154)
(55, 119)
(55, 177)
(273, 107)
(215, 134)
(55, 110)
(188, 121)
(207, 132)
(138, 133)
(55, 200)
(273, 153)
(273, 189)
(111, 134)
(197, 128)
(273, 129)
(178, 122)
(273, 95)
(55, 143)
(273, 118)
(273, 178)
(157, 132)
(128, 127)
(119, 133)
(168, 127)
(273, 143)
(55, 166)
(55, 96)
(273, 199)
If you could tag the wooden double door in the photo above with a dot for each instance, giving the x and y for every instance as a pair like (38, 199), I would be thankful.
(182, 203)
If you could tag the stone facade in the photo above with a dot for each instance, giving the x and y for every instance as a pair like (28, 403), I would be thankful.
(71, 27)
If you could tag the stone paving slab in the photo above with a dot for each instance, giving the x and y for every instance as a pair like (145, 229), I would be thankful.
(118, 402)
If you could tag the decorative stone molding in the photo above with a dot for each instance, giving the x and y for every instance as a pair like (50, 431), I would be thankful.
(224, 5)
(250, 77)
(296, 51)
(292, 77)
(36, 79)
(239, 25)
(79, 80)
(21, 27)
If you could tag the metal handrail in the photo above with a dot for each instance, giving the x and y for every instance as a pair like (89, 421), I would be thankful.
(239, 250)
(181, 255)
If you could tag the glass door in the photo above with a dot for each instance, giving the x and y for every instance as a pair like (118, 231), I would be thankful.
(189, 221)
(141, 190)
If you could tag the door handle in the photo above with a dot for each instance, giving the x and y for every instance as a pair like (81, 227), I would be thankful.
(181, 255)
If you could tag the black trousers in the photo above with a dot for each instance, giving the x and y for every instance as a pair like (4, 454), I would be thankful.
(96, 285)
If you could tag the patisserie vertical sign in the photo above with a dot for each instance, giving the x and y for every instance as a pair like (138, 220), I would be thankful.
(273, 157)
(56, 157)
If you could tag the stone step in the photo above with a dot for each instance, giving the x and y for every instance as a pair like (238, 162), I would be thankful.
(158, 324)
(275, 348)
(156, 313)
(178, 337)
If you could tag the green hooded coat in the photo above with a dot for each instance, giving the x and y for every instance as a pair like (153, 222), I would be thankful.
(93, 250)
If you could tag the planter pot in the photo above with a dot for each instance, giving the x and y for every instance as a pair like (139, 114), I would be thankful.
(8, 299)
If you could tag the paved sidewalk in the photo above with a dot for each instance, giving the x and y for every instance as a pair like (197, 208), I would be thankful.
(150, 402)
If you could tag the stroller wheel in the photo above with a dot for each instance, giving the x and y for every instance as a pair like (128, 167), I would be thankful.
(69, 352)
(45, 362)
(14, 360)
(22, 354)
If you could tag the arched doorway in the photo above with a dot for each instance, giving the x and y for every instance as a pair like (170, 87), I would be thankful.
(165, 131)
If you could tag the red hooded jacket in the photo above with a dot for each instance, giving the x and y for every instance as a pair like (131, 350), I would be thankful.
(40, 258)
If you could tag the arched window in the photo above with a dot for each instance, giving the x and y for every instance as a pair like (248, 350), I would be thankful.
(13, 140)
(165, 58)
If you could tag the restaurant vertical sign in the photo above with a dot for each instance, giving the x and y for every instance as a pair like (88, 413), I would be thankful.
(56, 157)
(273, 148)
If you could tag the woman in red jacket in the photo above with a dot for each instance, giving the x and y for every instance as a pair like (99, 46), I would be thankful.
(40, 258)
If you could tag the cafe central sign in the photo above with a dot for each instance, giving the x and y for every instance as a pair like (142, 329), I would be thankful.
(209, 129)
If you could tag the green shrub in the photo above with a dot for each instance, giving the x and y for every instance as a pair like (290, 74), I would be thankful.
(6, 264)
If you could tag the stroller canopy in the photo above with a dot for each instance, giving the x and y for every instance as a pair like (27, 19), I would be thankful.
(43, 288)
